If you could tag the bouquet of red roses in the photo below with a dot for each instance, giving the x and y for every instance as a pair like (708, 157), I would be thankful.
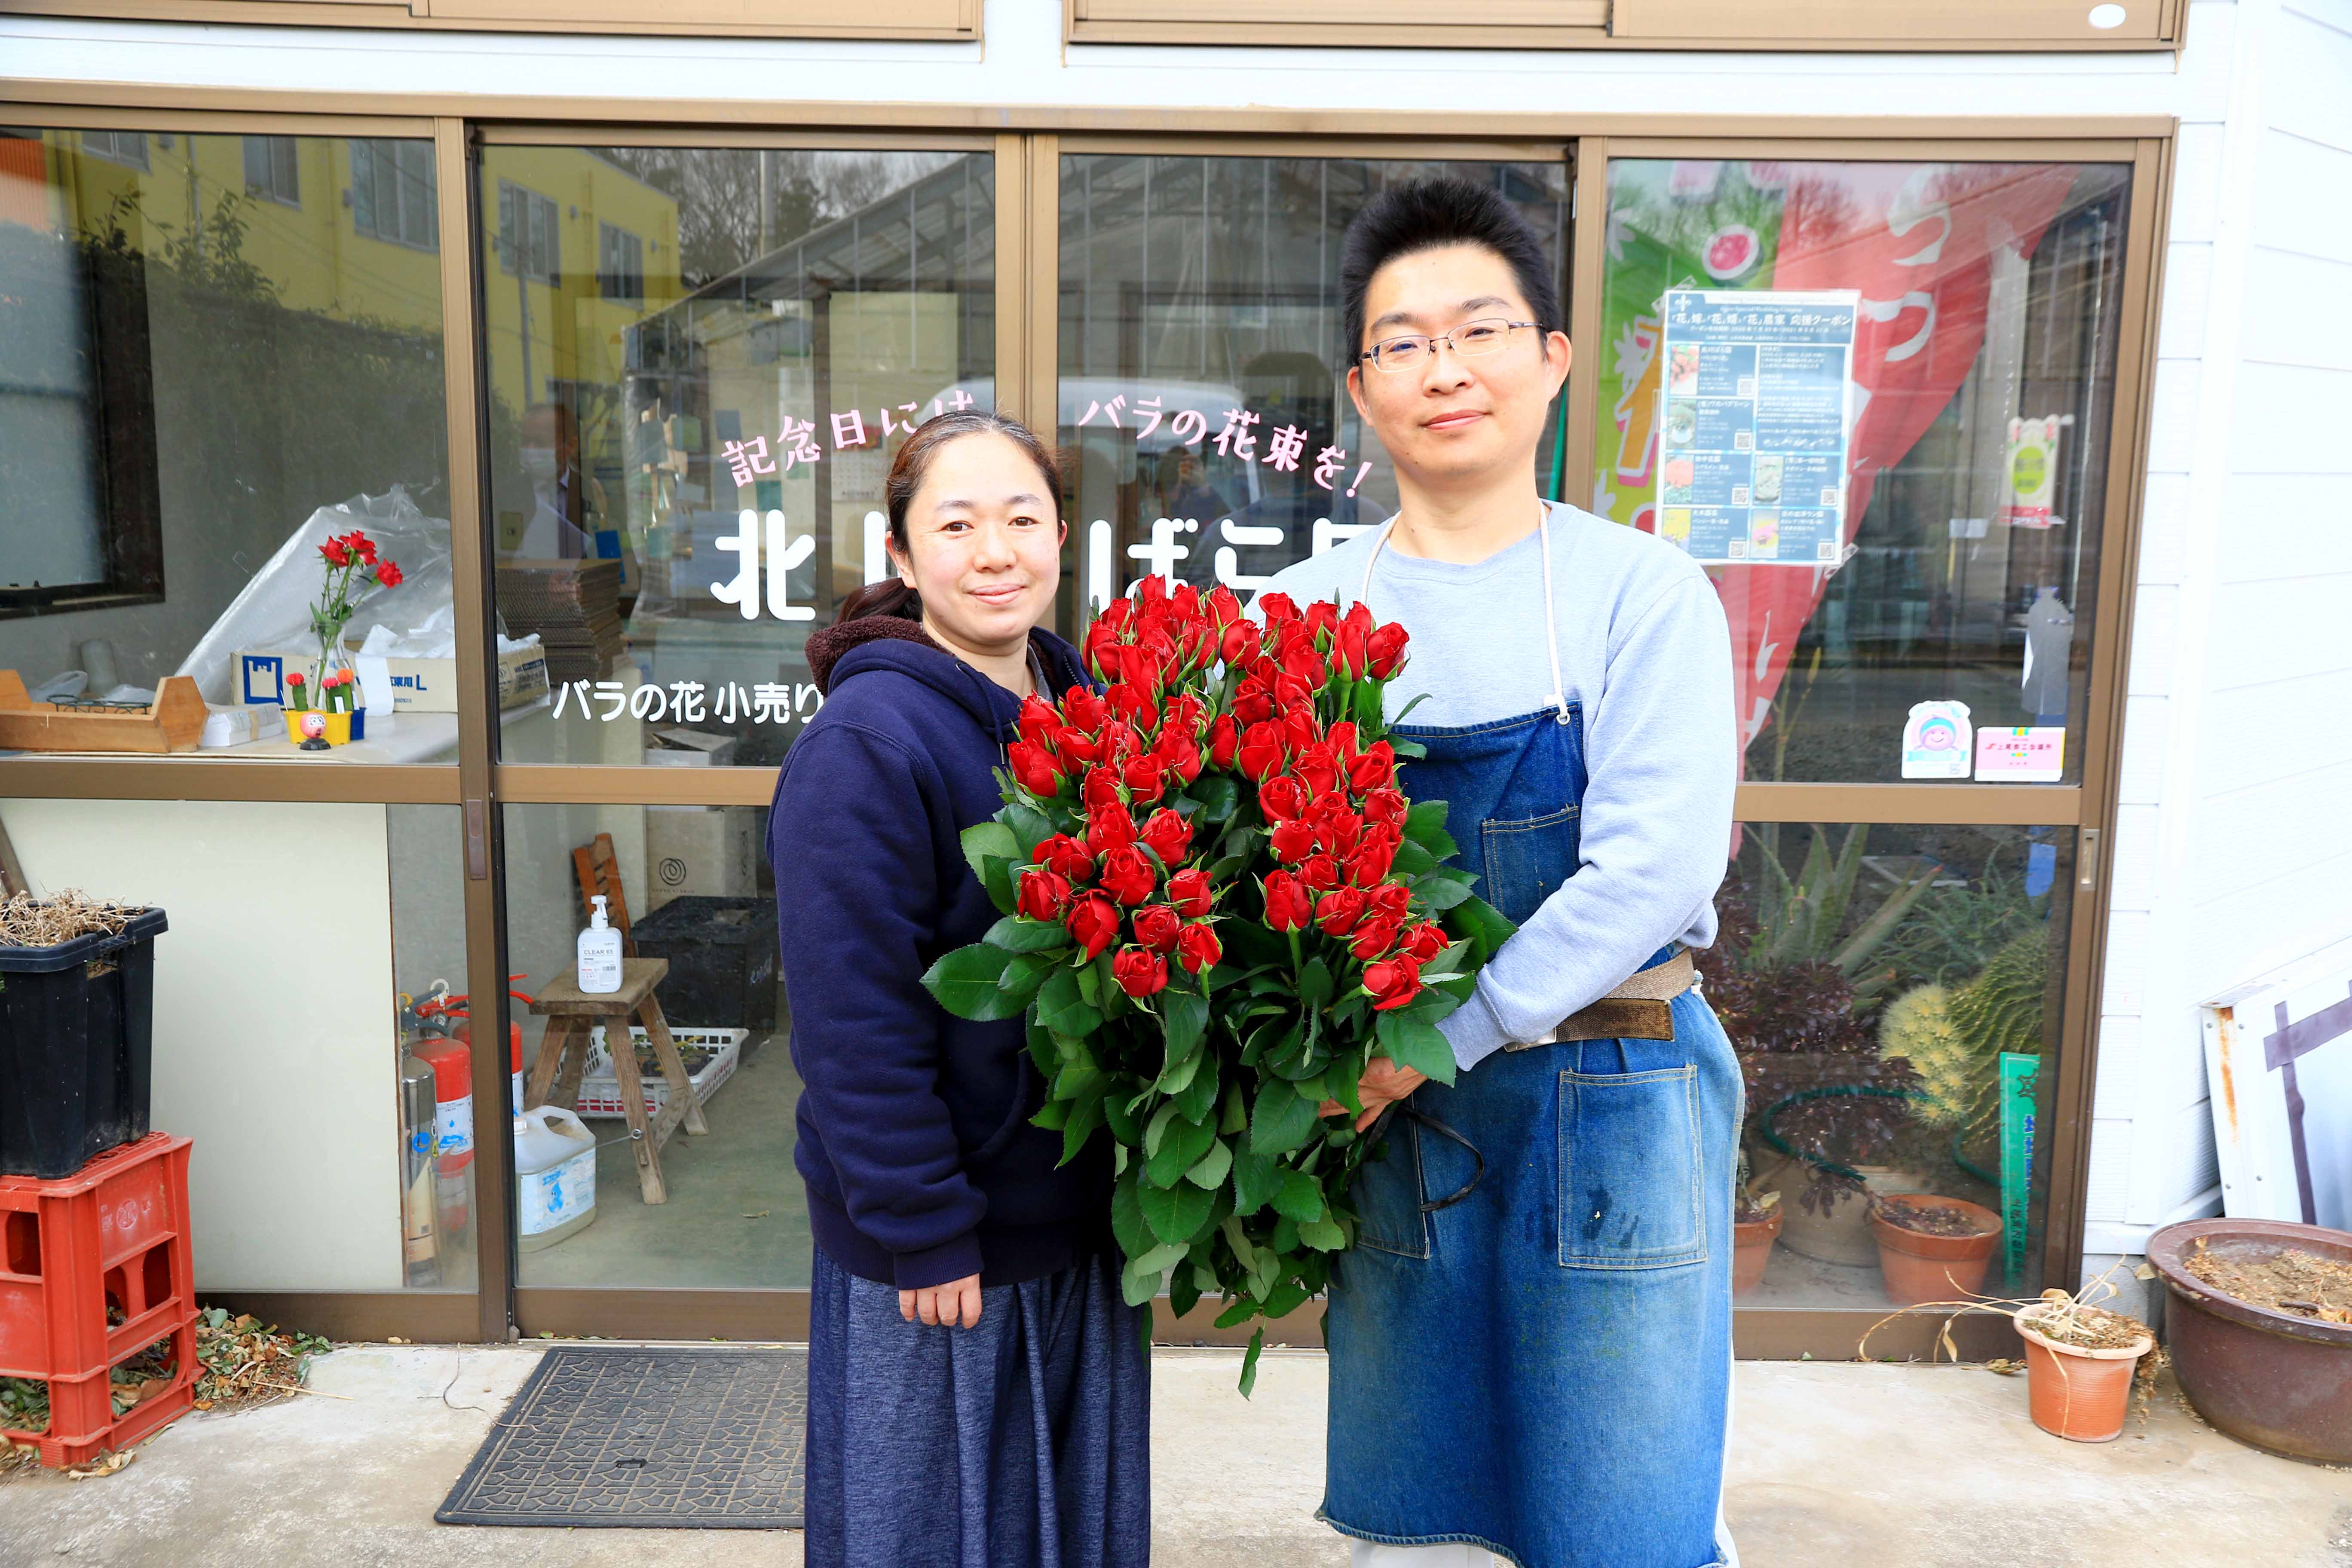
(1218, 908)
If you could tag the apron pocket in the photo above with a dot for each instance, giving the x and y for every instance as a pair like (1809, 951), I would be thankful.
(1387, 1194)
(1527, 861)
(1630, 1190)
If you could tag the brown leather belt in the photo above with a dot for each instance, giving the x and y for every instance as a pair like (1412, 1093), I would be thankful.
(1640, 1009)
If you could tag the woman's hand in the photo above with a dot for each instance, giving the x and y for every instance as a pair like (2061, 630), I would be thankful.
(1382, 1083)
(953, 1303)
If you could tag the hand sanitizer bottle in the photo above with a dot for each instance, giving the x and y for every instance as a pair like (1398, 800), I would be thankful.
(600, 954)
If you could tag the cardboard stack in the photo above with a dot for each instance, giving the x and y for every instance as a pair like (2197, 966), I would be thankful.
(575, 609)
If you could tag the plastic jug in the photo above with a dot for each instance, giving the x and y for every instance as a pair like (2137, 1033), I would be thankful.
(555, 1175)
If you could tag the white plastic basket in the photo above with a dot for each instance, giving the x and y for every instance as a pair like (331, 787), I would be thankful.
(600, 1090)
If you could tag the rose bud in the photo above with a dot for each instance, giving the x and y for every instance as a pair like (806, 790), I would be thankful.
(1289, 904)
(1349, 652)
(1108, 827)
(1043, 895)
(1392, 982)
(1085, 710)
(1281, 798)
(1092, 922)
(1178, 753)
(1279, 609)
(1187, 713)
(1423, 941)
(1168, 834)
(1339, 913)
(1374, 770)
(1322, 616)
(1299, 729)
(1263, 751)
(1318, 767)
(1319, 871)
(1065, 858)
(1140, 972)
(387, 574)
(1374, 939)
(1384, 808)
(1222, 608)
(1370, 862)
(1293, 696)
(1292, 841)
(1386, 646)
(1134, 704)
(1189, 891)
(1339, 833)
(1039, 722)
(1389, 900)
(1239, 643)
(1127, 875)
(1034, 767)
(1343, 740)
(1099, 792)
(1225, 741)
(1198, 948)
(1142, 777)
(1304, 665)
(1157, 927)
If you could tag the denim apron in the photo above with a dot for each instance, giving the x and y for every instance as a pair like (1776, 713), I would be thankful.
(1530, 1343)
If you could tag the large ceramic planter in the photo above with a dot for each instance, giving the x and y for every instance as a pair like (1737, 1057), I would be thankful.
(1919, 1267)
(2276, 1380)
(2075, 1393)
(1842, 1234)
(1751, 1249)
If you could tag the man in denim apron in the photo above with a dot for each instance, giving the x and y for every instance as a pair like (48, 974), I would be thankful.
(1531, 1340)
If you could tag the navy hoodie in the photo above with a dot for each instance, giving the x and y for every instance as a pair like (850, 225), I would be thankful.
(915, 1139)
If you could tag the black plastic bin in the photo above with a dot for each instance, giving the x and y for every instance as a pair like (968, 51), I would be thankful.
(76, 1039)
(722, 959)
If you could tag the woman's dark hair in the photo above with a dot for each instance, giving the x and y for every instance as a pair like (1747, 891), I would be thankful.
(908, 470)
(1428, 214)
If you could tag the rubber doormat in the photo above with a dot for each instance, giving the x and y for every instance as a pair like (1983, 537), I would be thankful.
(677, 1438)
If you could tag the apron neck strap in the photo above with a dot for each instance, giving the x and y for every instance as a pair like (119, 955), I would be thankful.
(1552, 627)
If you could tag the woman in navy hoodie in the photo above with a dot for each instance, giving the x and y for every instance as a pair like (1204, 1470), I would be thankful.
(978, 1391)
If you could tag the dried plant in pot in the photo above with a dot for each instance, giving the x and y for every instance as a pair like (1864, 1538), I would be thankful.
(1933, 1249)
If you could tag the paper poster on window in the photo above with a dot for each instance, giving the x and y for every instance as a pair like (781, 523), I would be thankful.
(2031, 477)
(2025, 754)
(1758, 408)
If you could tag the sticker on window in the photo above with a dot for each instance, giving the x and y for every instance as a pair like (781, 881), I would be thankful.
(1936, 741)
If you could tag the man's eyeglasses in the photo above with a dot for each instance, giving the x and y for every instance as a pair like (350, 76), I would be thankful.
(1484, 336)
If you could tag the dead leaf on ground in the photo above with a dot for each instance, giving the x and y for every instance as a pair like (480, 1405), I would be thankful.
(104, 1465)
(2005, 1365)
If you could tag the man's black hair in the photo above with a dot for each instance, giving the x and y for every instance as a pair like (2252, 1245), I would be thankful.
(1425, 215)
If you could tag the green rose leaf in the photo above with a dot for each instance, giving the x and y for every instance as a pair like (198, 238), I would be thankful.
(1249, 1363)
(1412, 1043)
(1486, 926)
(1197, 1100)
(1300, 1197)
(1180, 1150)
(1424, 824)
(1184, 1019)
(1440, 892)
(966, 984)
(1126, 1223)
(1060, 1008)
(986, 841)
(1280, 1123)
(1255, 1177)
(1323, 1234)
(1175, 1213)
(1210, 1174)
(1024, 974)
(1218, 795)
(1029, 827)
(1085, 1115)
(1241, 1310)
(1017, 934)
(1412, 860)
(1314, 984)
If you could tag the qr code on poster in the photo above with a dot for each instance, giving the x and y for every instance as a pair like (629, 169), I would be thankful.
(1830, 497)
(1827, 550)
(1737, 550)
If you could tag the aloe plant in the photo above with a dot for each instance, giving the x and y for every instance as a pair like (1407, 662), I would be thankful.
(1801, 916)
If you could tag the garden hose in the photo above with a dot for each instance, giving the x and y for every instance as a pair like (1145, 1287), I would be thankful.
(1772, 1136)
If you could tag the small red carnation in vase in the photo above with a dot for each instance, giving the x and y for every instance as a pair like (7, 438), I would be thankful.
(353, 567)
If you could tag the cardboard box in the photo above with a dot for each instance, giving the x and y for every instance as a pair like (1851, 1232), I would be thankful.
(709, 850)
(690, 749)
(418, 685)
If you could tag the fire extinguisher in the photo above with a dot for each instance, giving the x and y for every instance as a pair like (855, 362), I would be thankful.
(446, 1045)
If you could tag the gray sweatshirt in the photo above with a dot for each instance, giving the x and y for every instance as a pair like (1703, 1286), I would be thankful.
(1643, 648)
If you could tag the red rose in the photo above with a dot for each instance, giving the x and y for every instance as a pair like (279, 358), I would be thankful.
(1339, 833)
(1338, 912)
(1281, 798)
(1034, 766)
(1374, 938)
(1043, 895)
(1373, 858)
(1319, 871)
(1109, 826)
(1390, 899)
(1085, 710)
(387, 574)
(1222, 608)
(1168, 834)
(1322, 616)
(1423, 941)
(1239, 643)
(1093, 922)
(1134, 704)
(1225, 741)
(1189, 891)
(1039, 722)
(1127, 875)
(361, 545)
(1253, 702)
(1384, 808)
(1302, 663)
(1350, 651)
(1186, 714)
(1342, 737)
(1289, 904)
(1386, 646)
(1177, 754)
(1393, 982)
(1279, 609)
(1065, 858)
(1157, 927)
(1318, 766)
(1299, 729)
(1198, 948)
(1263, 751)
(1292, 841)
(1142, 777)
(336, 553)
(1376, 769)
(1140, 972)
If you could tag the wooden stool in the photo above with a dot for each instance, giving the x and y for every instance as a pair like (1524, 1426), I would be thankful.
(564, 1059)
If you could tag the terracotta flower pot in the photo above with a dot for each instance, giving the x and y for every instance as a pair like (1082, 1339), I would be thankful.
(2078, 1394)
(2279, 1380)
(1751, 1246)
(1841, 1234)
(1922, 1267)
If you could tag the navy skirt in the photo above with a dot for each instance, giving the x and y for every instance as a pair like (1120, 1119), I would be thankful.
(1022, 1443)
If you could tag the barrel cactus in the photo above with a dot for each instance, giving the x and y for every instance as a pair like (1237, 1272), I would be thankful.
(1953, 1036)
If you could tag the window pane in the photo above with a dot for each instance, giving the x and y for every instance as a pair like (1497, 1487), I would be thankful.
(760, 331)
(202, 383)
(1895, 996)
(1204, 380)
(691, 886)
(309, 1174)
(1982, 307)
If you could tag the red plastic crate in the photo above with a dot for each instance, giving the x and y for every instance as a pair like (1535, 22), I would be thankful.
(112, 1235)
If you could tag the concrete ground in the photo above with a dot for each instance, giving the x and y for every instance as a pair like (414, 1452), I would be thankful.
(1833, 1466)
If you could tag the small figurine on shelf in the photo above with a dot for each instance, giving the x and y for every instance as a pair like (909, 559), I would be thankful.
(331, 722)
